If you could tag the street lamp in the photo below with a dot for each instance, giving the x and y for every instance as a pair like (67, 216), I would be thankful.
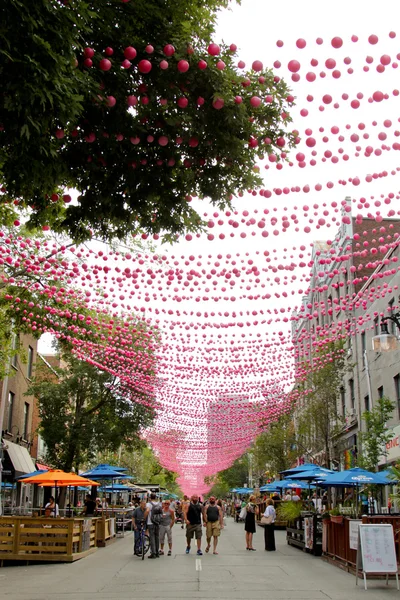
(385, 341)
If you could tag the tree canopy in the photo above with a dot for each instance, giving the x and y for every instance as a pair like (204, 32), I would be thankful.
(83, 411)
(127, 103)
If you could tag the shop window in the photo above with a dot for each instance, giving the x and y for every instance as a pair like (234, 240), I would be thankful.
(26, 420)
(366, 403)
(30, 362)
(10, 410)
(351, 390)
(380, 392)
(343, 401)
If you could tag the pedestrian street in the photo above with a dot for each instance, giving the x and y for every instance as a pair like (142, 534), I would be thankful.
(114, 573)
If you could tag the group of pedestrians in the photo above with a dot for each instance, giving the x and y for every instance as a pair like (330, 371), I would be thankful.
(159, 518)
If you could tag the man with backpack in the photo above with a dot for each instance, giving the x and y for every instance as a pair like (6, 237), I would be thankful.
(153, 524)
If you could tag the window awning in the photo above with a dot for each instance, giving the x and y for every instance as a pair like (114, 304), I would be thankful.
(20, 458)
(42, 467)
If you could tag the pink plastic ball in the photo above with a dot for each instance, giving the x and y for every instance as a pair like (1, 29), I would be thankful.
(373, 39)
(337, 42)
(149, 49)
(132, 100)
(182, 102)
(88, 53)
(294, 66)
(213, 49)
(377, 96)
(164, 65)
(183, 66)
(221, 65)
(169, 50)
(105, 64)
(88, 62)
(108, 51)
(126, 64)
(163, 140)
(238, 99)
(145, 66)
(130, 53)
(300, 43)
(233, 47)
(255, 101)
(241, 64)
(111, 101)
(218, 103)
(257, 65)
(202, 65)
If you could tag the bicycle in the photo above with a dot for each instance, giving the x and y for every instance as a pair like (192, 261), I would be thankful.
(142, 543)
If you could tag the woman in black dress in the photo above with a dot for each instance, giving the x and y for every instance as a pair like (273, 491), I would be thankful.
(250, 522)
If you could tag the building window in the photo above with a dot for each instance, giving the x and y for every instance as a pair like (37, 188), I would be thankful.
(366, 403)
(376, 326)
(396, 381)
(380, 391)
(14, 347)
(351, 390)
(30, 362)
(392, 324)
(26, 420)
(343, 401)
(11, 398)
(363, 344)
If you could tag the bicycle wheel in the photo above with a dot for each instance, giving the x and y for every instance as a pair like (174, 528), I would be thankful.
(145, 545)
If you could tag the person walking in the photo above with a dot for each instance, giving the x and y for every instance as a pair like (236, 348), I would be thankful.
(153, 524)
(139, 518)
(185, 503)
(250, 522)
(192, 515)
(167, 523)
(269, 528)
(213, 520)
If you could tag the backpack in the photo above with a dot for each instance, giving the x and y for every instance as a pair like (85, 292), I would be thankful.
(156, 514)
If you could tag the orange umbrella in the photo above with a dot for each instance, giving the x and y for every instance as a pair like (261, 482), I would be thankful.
(56, 477)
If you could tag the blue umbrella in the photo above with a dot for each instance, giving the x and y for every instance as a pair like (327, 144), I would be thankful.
(39, 472)
(388, 475)
(354, 477)
(315, 474)
(290, 484)
(118, 487)
(270, 487)
(105, 472)
(6, 486)
(298, 469)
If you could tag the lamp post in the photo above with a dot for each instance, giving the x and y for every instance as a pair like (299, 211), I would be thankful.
(385, 341)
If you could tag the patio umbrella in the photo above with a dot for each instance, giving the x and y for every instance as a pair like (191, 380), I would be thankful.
(33, 474)
(291, 484)
(269, 487)
(298, 469)
(354, 477)
(57, 477)
(104, 472)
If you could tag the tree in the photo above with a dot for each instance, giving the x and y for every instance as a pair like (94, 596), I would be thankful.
(136, 128)
(275, 449)
(318, 419)
(372, 442)
(83, 412)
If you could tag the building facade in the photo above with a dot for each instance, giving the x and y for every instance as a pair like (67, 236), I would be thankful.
(354, 281)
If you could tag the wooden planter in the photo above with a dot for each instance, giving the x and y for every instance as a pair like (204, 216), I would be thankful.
(46, 539)
(337, 519)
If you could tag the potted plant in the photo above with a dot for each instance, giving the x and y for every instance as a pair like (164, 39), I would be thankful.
(326, 515)
(336, 516)
(290, 511)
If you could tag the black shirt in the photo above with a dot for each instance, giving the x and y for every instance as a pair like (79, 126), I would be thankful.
(90, 507)
(194, 514)
(212, 513)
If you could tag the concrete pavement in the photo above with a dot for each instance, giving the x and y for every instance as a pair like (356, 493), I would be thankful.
(113, 573)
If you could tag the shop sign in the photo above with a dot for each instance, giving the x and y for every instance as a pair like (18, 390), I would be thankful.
(392, 447)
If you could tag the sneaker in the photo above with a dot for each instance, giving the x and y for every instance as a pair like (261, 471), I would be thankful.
(199, 553)
(187, 549)
(169, 553)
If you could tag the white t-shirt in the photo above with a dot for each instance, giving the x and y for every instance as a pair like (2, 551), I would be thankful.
(270, 512)
(295, 498)
(54, 511)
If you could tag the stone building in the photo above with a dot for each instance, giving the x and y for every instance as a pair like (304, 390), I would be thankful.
(343, 292)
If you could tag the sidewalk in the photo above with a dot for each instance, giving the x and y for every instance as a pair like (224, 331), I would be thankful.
(113, 573)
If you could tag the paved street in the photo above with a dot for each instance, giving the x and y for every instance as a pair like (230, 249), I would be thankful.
(113, 573)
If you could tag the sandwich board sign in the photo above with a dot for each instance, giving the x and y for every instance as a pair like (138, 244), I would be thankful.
(376, 552)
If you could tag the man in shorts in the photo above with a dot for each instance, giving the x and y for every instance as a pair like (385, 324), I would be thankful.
(192, 514)
(213, 518)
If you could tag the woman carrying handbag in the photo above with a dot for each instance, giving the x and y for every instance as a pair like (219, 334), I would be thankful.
(268, 520)
(250, 522)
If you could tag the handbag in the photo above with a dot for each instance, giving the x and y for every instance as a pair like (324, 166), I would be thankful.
(243, 513)
(266, 520)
